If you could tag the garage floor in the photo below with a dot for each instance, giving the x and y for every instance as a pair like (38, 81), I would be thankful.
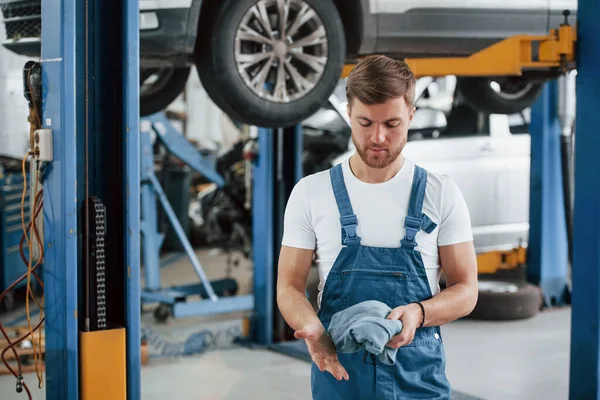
(517, 360)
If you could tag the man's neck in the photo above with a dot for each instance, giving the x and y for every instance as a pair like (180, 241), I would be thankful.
(368, 174)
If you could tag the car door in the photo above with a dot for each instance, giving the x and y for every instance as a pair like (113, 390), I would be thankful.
(467, 157)
(430, 28)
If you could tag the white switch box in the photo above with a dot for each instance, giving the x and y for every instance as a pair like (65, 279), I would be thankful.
(43, 144)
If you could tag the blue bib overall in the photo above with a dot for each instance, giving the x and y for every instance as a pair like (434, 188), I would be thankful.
(394, 276)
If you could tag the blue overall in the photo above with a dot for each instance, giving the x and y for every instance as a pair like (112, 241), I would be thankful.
(394, 276)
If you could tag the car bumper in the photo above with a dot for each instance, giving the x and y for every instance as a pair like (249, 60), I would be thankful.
(163, 32)
(163, 36)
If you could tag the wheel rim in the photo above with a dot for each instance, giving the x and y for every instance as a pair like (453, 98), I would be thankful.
(498, 287)
(281, 49)
(511, 90)
(154, 80)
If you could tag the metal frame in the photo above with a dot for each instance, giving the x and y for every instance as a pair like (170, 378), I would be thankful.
(175, 298)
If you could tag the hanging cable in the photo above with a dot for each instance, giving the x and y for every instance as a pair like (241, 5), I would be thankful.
(34, 118)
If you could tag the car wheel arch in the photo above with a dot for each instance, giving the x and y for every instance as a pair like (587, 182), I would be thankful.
(351, 13)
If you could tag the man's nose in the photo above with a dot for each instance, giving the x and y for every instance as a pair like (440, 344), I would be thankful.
(379, 136)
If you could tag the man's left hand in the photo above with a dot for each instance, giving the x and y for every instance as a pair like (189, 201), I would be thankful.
(411, 317)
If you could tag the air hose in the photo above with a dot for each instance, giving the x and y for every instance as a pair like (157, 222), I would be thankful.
(196, 343)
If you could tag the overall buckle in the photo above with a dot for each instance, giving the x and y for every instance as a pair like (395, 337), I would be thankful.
(349, 225)
(412, 226)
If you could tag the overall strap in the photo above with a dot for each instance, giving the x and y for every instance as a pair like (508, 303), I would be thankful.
(415, 219)
(347, 217)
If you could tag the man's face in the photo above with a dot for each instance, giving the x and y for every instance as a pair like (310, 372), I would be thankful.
(380, 131)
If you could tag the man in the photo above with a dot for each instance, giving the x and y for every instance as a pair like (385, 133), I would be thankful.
(379, 227)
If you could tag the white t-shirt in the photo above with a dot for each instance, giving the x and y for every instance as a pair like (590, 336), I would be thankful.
(312, 219)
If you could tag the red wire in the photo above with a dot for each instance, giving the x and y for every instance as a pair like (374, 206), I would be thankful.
(11, 345)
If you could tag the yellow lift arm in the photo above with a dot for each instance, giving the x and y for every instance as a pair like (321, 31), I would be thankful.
(509, 57)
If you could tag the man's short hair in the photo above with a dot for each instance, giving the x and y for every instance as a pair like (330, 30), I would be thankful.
(377, 79)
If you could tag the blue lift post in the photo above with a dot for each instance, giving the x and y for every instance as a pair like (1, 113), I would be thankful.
(585, 324)
(277, 167)
(90, 89)
(547, 254)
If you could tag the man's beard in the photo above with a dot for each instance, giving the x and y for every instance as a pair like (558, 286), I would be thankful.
(381, 160)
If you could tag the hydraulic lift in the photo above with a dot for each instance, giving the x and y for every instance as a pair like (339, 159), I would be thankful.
(90, 63)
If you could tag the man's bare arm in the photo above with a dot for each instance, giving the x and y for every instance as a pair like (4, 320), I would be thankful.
(459, 263)
(293, 270)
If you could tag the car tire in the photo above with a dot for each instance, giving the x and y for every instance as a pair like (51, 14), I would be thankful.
(514, 95)
(506, 300)
(169, 85)
(223, 54)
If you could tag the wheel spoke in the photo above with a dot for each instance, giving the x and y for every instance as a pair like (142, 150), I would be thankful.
(304, 15)
(300, 82)
(260, 12)
(280, 87)
(247, 60)
(317, 37)
(259, 80)
(316, 63)
(284, 10)
(249, 34)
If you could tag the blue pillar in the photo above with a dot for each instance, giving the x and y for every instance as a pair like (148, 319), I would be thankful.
(62, 112)
(90, 91)
(277, 168)
(547, 258)
(131, 191)
(262, 238)
(585, 332)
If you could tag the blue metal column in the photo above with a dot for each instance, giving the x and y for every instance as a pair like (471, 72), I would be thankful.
(152, 239)
(585, 324)
(547, 258)
(277, 169)
(131, 192)
(262, 237)
(62, 33)
(90, 68)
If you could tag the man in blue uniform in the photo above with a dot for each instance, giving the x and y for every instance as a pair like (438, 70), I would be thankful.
(379, 228)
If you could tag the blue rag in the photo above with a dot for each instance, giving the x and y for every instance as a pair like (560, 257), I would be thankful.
(364, 325)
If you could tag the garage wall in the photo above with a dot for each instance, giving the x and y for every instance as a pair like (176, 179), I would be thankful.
(14, 128)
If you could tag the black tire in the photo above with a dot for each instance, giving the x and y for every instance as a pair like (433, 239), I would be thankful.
(220, 77)
(171, 83)
(161, 313)
(516, 94)
(525, 301)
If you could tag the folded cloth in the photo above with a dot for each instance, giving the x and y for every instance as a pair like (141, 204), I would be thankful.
(364, 325)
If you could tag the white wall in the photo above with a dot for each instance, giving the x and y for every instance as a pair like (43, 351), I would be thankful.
(14, 128)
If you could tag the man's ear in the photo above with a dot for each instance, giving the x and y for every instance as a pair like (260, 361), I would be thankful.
(412, 113)
(349, 109)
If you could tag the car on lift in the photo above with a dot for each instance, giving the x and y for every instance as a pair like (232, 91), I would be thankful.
(276, 62)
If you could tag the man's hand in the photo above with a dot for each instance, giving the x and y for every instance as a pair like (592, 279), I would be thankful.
(322, 350)
(411, 316)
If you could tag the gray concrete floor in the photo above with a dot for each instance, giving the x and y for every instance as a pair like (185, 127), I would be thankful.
(506, 360)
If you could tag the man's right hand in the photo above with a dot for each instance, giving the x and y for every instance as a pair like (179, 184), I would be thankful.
(322, 350)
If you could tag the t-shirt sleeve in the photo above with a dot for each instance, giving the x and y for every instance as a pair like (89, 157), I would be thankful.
(297, 227)
(455, 223)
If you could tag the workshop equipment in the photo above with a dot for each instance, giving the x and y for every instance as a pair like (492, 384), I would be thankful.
(11, 230)
(216, 296)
